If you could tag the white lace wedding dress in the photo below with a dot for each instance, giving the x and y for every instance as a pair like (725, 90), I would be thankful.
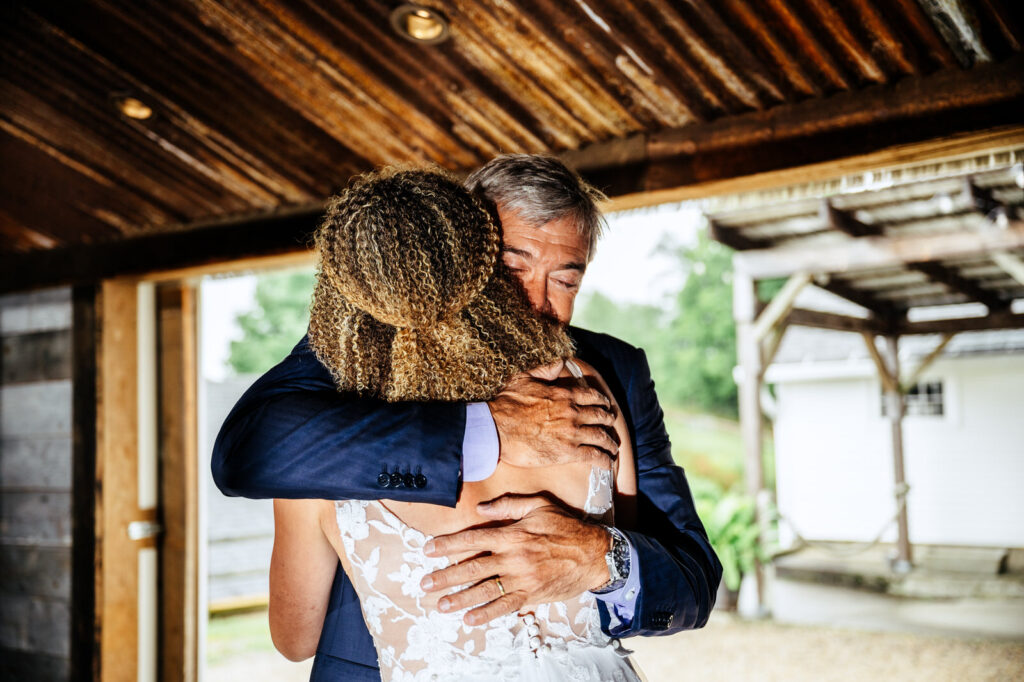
(415, 641)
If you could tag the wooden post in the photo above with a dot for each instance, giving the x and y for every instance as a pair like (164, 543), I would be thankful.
(85, 556)
(748, 351)
(895, 407)
(179, 483)
(117, 588)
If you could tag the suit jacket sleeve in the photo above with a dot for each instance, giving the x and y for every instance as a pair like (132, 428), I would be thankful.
(293, 435)
(679, 571)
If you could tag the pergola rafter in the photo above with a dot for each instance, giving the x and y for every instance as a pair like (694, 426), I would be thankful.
(846, 254)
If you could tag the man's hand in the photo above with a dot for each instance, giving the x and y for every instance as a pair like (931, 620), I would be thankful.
(546, 555)
(541, 422)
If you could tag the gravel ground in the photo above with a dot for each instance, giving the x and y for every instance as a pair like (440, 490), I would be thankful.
(732, 649)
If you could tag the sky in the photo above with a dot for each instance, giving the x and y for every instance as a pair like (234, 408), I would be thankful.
(627, 269)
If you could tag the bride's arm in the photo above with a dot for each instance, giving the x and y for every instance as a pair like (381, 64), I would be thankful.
(302, 569)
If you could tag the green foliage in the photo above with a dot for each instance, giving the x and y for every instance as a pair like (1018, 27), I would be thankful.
(640, 325)
(692, 346)
(702, 336)
(275, 324)
(729, 519)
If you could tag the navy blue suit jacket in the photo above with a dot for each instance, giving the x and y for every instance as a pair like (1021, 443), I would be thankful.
(293, 435)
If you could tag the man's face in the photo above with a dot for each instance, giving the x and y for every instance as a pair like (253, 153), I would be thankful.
(549, 260)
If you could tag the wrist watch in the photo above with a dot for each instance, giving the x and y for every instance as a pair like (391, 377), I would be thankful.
(617, 558)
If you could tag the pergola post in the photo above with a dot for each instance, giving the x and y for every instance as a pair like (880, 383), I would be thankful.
(895, 409)
(889, 373)
(748, 351)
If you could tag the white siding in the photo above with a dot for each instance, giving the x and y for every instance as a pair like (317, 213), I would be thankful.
(966, 469)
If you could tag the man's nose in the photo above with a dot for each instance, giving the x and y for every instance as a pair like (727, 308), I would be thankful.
(537, 292)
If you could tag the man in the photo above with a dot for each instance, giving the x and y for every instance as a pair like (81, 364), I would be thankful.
(292, 435)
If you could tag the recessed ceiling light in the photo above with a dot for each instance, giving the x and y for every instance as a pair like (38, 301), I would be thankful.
(420, 24)
(134, 108)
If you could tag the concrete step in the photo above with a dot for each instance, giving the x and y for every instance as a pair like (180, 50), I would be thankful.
(938, 572)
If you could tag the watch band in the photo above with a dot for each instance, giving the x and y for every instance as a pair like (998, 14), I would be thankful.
(617, 559)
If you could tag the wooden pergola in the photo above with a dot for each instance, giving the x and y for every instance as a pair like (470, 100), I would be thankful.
(146, 144)
(895, 243)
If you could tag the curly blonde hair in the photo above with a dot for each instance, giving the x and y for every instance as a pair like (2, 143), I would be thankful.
(412, 301)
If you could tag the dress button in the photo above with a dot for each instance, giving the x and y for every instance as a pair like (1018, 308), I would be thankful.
(533, 631)
(535, 642)
(396, 480)
(409, 480)
(420, 481)
(529, 619)
(630, 594)
(383, 480)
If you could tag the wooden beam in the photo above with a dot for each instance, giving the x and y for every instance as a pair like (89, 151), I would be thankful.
(733, 238)
(833, 321)
(85, 554)
(780, 305)
(899, 153)
(179, 482)
(981, 199)
(846, 124)
(211, 247)
(770, 347)
(1012, 264)
(846, 223)
(895, 404)
(883, 310)
(877, 252)
(906, 384)
(117, 480)
(748, 352)
(890, 381)
(949, 277)
(1001, 320)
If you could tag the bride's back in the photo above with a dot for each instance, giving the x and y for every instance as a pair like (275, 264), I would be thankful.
(574, 485)
(380, 544)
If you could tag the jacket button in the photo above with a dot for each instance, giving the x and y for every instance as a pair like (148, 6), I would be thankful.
(420, 481)
(383, 480)
(396, 480)
(409, 480)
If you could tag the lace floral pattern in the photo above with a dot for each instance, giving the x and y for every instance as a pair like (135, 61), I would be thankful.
(415, 641)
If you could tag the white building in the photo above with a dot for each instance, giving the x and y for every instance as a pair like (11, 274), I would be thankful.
(963, 440)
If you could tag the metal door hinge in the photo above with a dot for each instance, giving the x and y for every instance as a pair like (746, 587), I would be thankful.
(141, 530)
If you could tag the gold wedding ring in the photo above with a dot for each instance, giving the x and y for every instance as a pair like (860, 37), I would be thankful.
(501, 588)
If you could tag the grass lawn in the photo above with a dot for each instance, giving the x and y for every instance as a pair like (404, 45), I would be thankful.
(230, 637)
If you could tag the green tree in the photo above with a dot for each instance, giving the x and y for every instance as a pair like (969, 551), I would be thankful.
(640, 325)
(700, 352)
(277, 321)
(691, 347)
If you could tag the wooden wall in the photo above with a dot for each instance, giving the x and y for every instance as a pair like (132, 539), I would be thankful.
(240, 532)
(35, 485)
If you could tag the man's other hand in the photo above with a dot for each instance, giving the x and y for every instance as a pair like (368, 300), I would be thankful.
(543, 421)
(545, 555)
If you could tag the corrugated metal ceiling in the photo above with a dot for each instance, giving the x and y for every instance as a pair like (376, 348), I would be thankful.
(269, 105)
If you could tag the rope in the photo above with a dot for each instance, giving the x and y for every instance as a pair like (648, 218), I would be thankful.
(899, 492)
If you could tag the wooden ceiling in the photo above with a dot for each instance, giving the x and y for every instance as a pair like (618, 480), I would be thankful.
(263, 108)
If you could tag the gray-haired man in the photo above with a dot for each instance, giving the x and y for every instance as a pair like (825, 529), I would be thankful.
(293, 436)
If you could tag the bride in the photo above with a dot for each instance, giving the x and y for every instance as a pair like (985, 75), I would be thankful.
(412, 302)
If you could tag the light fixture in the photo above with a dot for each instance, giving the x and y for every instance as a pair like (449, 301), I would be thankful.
(420, 24)
(133, 108)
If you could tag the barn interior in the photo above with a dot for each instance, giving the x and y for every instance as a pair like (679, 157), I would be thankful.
(871, 149)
